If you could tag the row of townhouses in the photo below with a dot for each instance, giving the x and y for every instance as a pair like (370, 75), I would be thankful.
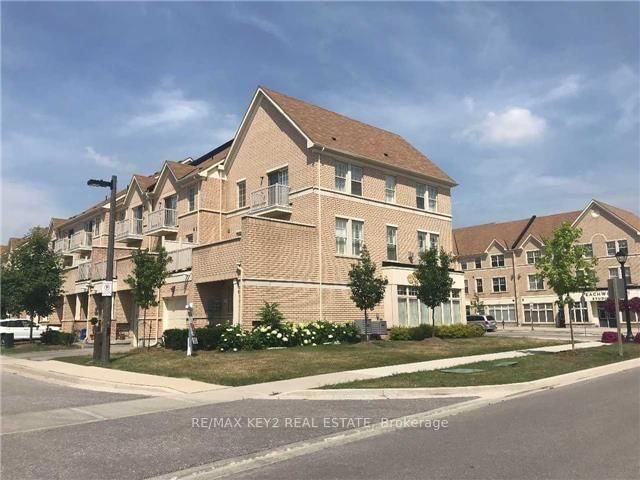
(281, 212)
(277, 214)
(499, 265)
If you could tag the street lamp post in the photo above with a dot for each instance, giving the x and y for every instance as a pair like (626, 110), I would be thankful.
(107, 298)
(621, 256)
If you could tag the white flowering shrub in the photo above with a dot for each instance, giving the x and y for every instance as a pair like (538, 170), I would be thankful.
(232, 339)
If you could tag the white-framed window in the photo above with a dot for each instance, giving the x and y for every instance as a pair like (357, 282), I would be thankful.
(428, 240)
(392, 243)
(538, 312)
(342, 225)
(499, 284)
(614, 272)
(588, 250)
(497, 260)
(466, 286)
(536, 282)
(578, 312)
(349, 236)
(421, 191)
(191, 198)
(433, 198)
(390, 189)
(423, 238)
(614, 246)
(412, 312)
(479, 286)
(96, 227)
(426, 197)
(533, 256)
(348, 178)
(478, 262)
(241, 188)
(342, 173)
(501, 313)
(463, 265)
(434, 240)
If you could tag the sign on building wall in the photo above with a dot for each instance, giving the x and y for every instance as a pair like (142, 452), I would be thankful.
(107, 289)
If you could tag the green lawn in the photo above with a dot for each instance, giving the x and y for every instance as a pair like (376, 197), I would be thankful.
(529, 368)
(34, 347)
(247, 367)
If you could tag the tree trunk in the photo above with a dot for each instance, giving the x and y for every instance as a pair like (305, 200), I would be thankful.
(433, 322)
(144, 327)
(31, 329)
(573, 343)
(366, 321)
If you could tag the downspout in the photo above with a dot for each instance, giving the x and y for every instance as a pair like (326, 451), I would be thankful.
(158, 315)
(240, 274)
(220, 210)
(320, 272)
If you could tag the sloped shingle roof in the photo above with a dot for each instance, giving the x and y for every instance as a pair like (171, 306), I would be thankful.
(475, 239)
(629, 217)
(345, 134)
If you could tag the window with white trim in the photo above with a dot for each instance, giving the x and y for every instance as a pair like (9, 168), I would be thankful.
(348, 178)
(412, 312)
(390, 189)
(538, 312)
(392, 239)
(434, 240)
(349, 237)
(421, 191)
(499, 284)
(96, 227)
(478, 262)
(536, 282)
(463, 265)
(423, 238)
(479, 286)
(191, 199)
(502, 313)
(588, 250)
(466, 286)
(497, 260)
(578, 312)
(241, 187)
(533, 256)
(614, 246)
(433, 198)
(613, 272)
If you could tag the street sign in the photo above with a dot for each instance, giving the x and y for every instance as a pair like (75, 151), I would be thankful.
(107, 289)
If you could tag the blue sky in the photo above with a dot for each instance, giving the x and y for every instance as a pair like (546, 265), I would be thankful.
(532, 108)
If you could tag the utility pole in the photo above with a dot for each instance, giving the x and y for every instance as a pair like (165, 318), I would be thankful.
(107, 294)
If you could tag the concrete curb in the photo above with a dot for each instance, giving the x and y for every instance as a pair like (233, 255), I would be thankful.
(485, 391)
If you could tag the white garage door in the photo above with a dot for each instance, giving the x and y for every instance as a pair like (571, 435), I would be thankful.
(175, 313)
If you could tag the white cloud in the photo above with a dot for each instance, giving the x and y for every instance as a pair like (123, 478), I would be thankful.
(105, 160)
(168, 108)
(259, 23)
(24, 206)
(513, 126)
(569, 86)
(623, 87)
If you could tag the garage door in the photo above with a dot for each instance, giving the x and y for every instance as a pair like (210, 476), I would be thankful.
(175, 313)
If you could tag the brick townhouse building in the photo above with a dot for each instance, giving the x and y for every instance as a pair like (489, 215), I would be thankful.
(277, 214)
(498, 260)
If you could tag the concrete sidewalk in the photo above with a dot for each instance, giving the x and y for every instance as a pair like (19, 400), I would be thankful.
(112, 380)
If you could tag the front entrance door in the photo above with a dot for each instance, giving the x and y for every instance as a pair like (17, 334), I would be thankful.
(607, 319)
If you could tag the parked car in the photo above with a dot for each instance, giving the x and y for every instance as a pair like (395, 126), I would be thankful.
(20, 328)
(485, 321)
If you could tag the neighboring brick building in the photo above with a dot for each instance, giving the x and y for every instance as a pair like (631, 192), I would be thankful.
(278, 214)
(498, 260)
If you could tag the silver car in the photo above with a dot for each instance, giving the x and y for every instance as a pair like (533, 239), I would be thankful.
(485, 321)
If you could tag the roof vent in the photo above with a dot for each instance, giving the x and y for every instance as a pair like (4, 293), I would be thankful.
(334, 138)
(386, 154)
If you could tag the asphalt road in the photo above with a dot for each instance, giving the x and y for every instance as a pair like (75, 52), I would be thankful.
(589, 430)
(146, 445)
(21, 394)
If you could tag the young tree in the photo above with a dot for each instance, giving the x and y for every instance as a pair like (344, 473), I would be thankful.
(565, 268)
(149, 274)
(433, 280)
(477, 305)
(11, 285)
(367, 290)
(32, 278)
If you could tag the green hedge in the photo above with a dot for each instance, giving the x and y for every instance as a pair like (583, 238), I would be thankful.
(175, 338)
(442, 331)
(54, 337)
